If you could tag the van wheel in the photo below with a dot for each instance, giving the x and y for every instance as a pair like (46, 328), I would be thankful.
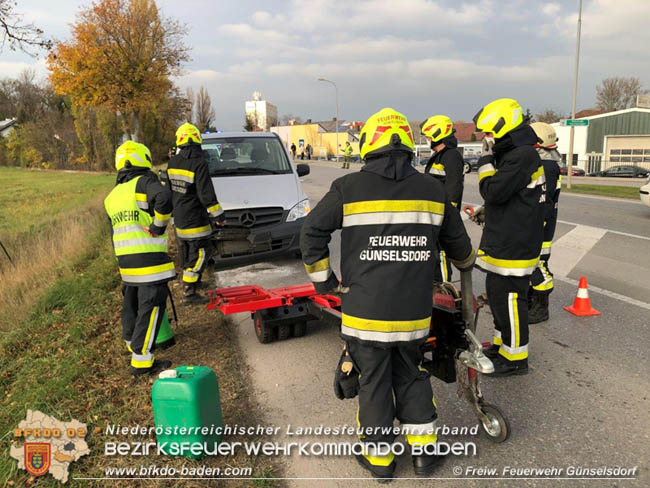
(467, 168)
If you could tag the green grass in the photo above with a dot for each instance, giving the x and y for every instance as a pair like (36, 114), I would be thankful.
(631, 192)
(61, 350)
(32, 199)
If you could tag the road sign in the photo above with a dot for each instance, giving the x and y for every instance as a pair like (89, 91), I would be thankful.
(575, 122)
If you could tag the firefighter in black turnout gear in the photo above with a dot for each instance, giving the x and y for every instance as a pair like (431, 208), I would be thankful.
(196, 208)
(511, 179)
(391, 217)
(139, 208)
(542, 279)
(445, 164)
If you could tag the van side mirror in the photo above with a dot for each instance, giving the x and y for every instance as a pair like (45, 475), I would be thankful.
(303, 169)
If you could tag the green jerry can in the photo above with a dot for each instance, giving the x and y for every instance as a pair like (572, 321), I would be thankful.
(187, 411)
(165, 337)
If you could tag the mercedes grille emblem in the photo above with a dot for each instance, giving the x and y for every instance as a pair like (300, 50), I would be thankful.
(247, 219)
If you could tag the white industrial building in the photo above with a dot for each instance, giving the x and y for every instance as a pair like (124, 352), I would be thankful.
(262, 113)
(610, 139)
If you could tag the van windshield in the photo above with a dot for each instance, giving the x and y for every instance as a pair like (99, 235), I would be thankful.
(240, 156)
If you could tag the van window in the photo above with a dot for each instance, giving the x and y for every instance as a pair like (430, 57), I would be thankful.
(238, 156)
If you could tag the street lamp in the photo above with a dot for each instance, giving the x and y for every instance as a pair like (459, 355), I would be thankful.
(337, 114)
(573, 103)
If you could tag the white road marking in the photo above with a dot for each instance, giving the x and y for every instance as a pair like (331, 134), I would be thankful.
(627, 234)
(569, 249)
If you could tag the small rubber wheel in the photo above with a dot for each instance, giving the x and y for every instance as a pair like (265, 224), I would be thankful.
(284, 332)
(264, 334)
(299, 329)
(497, 429)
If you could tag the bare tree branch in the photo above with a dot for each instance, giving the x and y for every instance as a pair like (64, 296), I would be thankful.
(17, 34)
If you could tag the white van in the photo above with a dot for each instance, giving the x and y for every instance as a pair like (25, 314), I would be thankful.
(259, 189)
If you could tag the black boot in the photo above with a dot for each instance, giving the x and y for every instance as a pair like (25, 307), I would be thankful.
(156, 367)
(191, 297)
(383, 474)
(492, 351)
(503, 367)
(537, 308)
(425, 464)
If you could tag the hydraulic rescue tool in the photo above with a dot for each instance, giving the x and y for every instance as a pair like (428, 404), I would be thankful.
(452, 352)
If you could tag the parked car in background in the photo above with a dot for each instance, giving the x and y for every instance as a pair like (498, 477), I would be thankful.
(623, 171)
(644, 193)
(470, 163)
(575, 171)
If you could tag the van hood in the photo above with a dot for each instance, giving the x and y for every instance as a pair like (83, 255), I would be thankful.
(251, 191)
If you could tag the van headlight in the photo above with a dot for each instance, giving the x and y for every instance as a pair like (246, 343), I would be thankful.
(300, 210)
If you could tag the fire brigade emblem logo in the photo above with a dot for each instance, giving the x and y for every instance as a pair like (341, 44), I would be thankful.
(37, 457)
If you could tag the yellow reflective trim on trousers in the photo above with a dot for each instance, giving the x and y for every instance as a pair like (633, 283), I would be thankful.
(372, 206)
(513, 357)
(443, 265)
(515, 315)
(507, 263)
(199, 260)
(454, 204)
(380, 460)
(147, 269)
(497, 341)
(559, 181)
(193, 230)
(421, 439)
(544, 286)
(385, 325)
(180, 172)
(142, 364)
(152, 324)
(320, 265)
(546, 244)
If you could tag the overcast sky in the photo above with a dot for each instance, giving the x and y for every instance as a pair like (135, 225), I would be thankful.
(418, 56)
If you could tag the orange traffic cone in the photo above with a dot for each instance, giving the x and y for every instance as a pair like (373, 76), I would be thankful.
(582, 305)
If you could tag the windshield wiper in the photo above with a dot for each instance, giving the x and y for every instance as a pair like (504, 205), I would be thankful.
(226, 171)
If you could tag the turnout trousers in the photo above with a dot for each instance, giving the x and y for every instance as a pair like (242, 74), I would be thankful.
(393, 385)
(196, 254)
(143, 309)
(508, 298)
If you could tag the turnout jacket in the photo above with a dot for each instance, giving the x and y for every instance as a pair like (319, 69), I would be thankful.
(139, 208)
(195, 202)
(511, 184)
(553, 187)
(447, 165)
(391, 217)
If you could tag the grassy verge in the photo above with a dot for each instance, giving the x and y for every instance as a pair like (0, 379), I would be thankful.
(63, 355)
(631, 192)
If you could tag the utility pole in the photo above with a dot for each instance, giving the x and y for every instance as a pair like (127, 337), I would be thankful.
(573, 103)
(337, 115)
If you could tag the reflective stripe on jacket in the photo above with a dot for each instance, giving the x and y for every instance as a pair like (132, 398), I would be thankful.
(391, 217)
(142, 256)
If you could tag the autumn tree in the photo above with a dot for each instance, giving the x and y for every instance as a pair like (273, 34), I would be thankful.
(618, 93)
(249, 124)
(549, 116)
(16, 33)
(121, 57)
(204, 112)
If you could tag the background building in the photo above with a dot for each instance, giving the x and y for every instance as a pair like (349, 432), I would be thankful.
(321, 135)
(610, 139)
(262, 113)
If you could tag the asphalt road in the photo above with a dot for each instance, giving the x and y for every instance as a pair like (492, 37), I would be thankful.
(585, 402)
